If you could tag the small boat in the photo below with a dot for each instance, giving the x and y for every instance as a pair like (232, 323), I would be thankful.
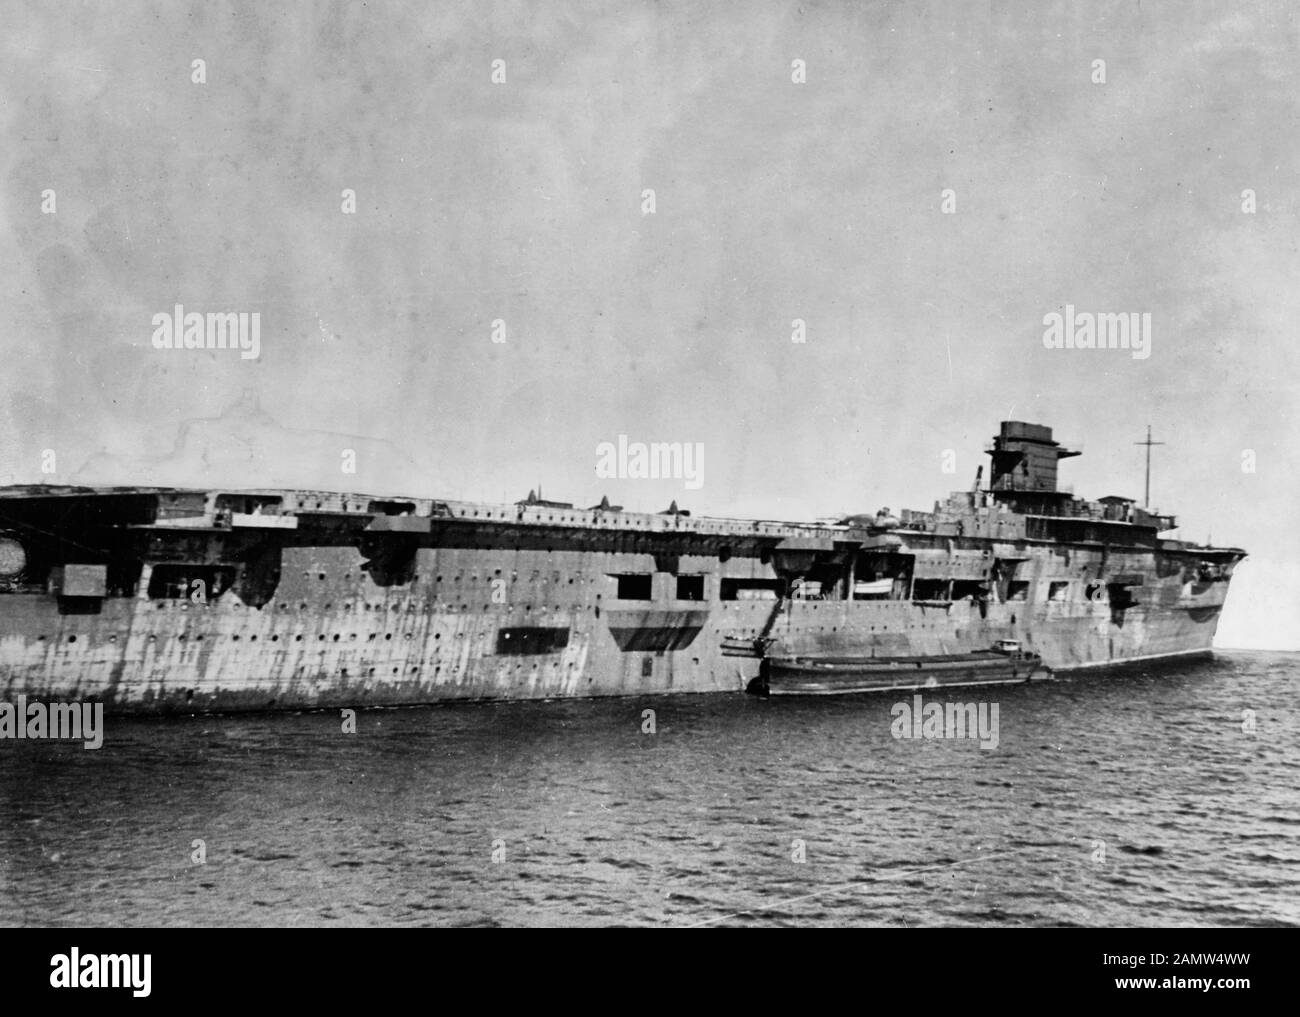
(1005, 662)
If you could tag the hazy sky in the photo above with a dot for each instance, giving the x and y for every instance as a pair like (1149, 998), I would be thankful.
(774, 200)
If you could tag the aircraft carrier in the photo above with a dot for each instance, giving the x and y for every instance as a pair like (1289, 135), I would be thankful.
(164, 600)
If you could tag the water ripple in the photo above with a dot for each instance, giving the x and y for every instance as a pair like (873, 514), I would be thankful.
(1129, 799)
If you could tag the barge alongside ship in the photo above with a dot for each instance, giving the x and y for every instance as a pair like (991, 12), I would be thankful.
(166, 600)
(1003, 664)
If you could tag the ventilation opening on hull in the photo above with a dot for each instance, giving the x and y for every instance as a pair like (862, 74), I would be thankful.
(521, 640)
(391, 559)
(690, 587)
(635, 587)
(969, 589)
(930, 589)
(193, 582)
(249, 504)
(392, 508)
(751, 589)
(1121, 597)
(81, 605)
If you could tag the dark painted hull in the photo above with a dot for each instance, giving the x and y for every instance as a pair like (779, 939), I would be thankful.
(830, 676)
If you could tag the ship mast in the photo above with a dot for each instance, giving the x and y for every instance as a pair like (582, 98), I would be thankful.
(1146, 500)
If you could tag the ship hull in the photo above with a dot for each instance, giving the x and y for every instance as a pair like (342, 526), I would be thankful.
(375, 647)
(156, 601)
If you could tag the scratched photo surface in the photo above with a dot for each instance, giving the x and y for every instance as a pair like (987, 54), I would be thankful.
(452, 454)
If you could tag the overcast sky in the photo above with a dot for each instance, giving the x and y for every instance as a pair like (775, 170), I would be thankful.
(774, 201)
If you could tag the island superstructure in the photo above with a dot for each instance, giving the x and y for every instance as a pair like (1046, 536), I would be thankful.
(156, 600)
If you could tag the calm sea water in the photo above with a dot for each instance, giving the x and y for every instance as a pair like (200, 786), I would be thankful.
(1123, 799)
